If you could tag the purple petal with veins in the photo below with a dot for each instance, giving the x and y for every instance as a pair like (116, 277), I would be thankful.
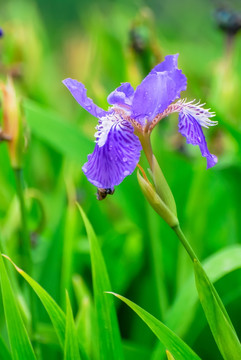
(122, 96)
(192, 130)
(158, 90)
(115, 156)
(78, 91)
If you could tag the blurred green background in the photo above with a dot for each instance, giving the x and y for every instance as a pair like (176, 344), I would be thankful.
(104, 43)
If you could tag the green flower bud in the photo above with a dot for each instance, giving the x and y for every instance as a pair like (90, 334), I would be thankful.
(162, 187)
(155, 201)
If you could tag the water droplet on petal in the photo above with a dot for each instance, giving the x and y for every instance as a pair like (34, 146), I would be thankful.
(124, 159)
(126, 172)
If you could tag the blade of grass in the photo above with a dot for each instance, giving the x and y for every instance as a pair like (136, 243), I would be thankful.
(183, 311)
(71, 349)
(21, 347)
(110, 346)
(134, 350)
(168, 338)
(218, 265)
(68, 246)
(56, 314)
(223, 332)
(169, 355)
(4, 352)
(85, 318)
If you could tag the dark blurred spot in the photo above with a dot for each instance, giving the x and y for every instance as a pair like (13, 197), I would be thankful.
(143, 41)
(34, 239)
(1, 32)
(80, 195)
(137, 41)
(228, 20)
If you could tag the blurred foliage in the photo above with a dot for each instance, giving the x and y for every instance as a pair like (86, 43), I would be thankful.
(103, 43)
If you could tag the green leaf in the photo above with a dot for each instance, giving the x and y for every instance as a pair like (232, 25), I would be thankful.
(110, 346)
(134, 350)
(168, 338)
(71, 349)
(85, 319)
(169, 355)
(21, 347)
(56, 314)
(216, 266)
(51, 128)
(222, 330)
(182, 312)
(4, 352)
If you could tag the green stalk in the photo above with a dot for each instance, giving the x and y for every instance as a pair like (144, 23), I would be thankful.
(27, 257)
(195, 259)
(161, 199)
(146, 146)
(185, 243)
(157, 264)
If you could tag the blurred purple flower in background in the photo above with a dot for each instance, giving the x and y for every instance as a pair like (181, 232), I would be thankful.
(1, 32)
(133, 114)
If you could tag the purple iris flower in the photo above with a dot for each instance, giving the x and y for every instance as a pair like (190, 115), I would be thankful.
(134, 113)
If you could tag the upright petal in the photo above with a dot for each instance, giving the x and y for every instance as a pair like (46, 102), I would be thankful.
(117, 158)
(192, 130)
(169, 64)
(122, 96)
(158, 90)
(78, 91)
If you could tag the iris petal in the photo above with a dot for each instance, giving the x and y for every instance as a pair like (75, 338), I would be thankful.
(78, 91)
(158, 90)
(192, 130)
(123, 95)
(169, 64)
(109, 164)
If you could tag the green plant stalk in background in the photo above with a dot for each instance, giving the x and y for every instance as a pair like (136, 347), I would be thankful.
(27, 259)
(162, 201)
(26, 241)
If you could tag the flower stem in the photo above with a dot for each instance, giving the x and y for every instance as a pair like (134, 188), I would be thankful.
(185, 243)
(146, 145)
